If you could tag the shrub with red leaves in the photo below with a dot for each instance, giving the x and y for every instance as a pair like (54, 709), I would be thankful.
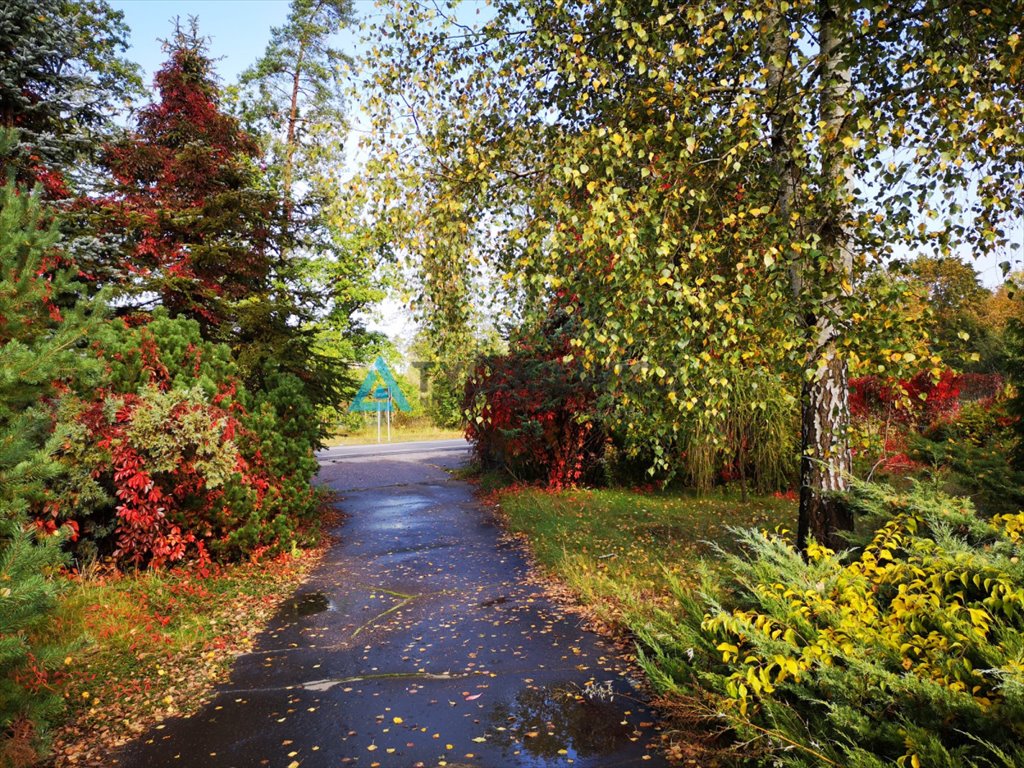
(531, 413)
(918, 400)
(984, 387)
(947, 405)
(173, 459)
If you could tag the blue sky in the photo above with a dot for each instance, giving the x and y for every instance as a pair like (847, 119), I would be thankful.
(238, 29)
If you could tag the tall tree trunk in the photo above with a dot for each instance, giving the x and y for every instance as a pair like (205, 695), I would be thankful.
(825, 462)
(825, 404)
(291, 137)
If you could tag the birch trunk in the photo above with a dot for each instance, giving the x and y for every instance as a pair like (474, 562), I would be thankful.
(825, 404)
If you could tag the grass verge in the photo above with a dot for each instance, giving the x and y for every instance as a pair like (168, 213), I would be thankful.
(615, 548)
(613, 552)
(398, 435)
(152, 645)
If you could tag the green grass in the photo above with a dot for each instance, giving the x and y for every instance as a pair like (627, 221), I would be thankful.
(398, 435)
(614, 548)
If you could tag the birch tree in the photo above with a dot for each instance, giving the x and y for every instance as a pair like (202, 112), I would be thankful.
(715, 186)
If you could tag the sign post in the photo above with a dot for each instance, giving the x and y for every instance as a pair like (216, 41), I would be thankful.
(380, 392)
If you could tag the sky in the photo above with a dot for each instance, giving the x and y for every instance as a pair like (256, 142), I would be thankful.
(238, 29)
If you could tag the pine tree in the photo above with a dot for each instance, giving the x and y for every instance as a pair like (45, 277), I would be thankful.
(38, 349)
(293, 99)
(293, 95)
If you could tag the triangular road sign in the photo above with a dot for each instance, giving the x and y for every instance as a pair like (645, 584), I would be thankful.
(380, 391)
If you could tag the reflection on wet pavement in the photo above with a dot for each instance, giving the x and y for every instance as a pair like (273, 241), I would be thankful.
(305, 604)
(417, 642)
(560, 720)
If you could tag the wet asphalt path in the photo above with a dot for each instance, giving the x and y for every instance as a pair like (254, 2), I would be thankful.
(417, 642)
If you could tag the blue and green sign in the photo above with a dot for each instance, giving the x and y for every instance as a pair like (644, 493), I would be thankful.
(380, 391)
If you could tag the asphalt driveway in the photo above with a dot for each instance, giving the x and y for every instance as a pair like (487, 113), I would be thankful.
(417, 642)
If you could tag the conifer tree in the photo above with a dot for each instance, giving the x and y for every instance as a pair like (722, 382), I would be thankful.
(38, 351)
(292, 98)
(61, 79)
(292, 95)
(193, 226)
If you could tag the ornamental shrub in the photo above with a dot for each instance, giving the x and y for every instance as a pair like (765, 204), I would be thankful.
(172, 458)
(970, 453)
(532, 413)
(904, 426)
(917, 400)
(907, 651)
(280, 432)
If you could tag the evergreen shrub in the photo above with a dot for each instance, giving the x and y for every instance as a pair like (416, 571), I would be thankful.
(39, 355)
(908, 650)
(172, 458)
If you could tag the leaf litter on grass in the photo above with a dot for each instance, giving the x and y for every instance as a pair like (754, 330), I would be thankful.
(157, 643)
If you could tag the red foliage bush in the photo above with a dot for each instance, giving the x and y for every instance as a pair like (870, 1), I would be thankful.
(950, 405)
(918, 400)
(172, 459)
(980, 386)
(531, 413)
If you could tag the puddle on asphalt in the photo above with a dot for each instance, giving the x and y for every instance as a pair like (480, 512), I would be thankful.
(406, 502)
(544, 721)
(305, 604)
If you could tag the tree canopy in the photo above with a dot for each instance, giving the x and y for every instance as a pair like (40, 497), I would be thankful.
(293, 99)
(713, 186)
(62, 80)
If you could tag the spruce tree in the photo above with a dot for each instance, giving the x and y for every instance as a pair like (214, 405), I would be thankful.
(39, 342)
(191, 224)
(62, 77)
